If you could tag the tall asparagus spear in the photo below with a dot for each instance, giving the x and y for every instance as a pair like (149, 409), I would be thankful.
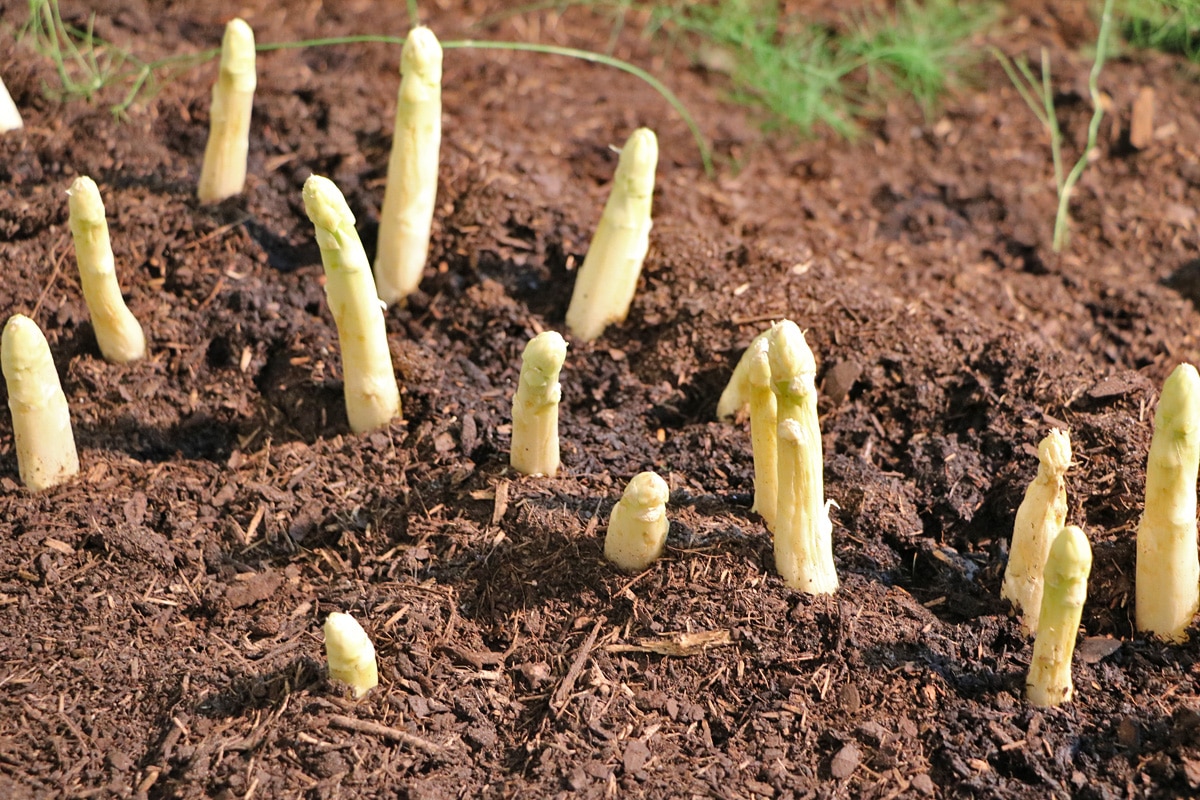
(408, 200)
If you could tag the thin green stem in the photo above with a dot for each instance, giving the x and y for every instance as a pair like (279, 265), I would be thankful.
(1062, 219)
(1051, 121)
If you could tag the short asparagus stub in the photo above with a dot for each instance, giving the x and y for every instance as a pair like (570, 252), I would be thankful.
(637, 529)
(350, 654)
(42, 434)
(736, 394)
(764, 425)
(372, 394)
(1167, 579)
(118, 333)
(223, 173)
(1040, 518)
(535, 406)
(803, 530)
(1067, 567)
(607, 280)
(411, 191)
(10, 117)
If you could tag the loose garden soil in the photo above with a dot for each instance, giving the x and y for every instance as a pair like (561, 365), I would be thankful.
(160, 616)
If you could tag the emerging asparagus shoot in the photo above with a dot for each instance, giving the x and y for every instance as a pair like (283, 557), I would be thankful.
(535, 406)
(1040, 518)
(408, 199)
(803, 530)
(1167, 581)
(372, 394)
(764, 424)
(736, 395)
(637, 529)
(10, 117)
(608, 278)
(223, 173)
(42, 434)
(118, 333)
(1067, 567)
(350, 654)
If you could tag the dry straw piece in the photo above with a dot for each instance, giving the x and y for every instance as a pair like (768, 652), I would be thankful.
(408, 199)
(223, 173)
(118, 332)
(42, 434)
(535, 406)
(1040, 517)
(608, 278)
(372, 394)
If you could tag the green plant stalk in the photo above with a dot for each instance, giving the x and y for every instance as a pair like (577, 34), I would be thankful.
(372, 394)
(637, 529)
(42, 435)
(1062, 219)
(803, 530)
(1040, 518)
(118, 332)
(223, 173)
(1068, 565)
(764, 424)
(535, 448)
(606, 282)
(408, 200)
(1167, 578)
(350, 654)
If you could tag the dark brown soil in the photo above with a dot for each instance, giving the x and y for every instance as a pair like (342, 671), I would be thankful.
(161, 614)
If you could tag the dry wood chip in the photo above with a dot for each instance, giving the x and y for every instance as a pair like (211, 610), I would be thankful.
(845, 762)
(677, 644)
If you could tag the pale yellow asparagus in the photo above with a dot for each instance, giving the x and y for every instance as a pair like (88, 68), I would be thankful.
(764, 424)
(223, 173)
(118, 333)
(1167, 579)
(10, 117)
(1040, 518)
(608, 278)
(42, 434)
(535, 406)
(350, 654)
(736, 395)
(408, 199)
(803, 530)
(1067, 567)
(637, 529)
(372, 394)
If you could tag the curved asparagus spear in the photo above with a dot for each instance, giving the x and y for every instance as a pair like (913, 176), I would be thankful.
(118, 333)
(372, 394)
(1067, 567)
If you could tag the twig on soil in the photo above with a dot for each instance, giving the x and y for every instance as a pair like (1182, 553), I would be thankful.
(562, 695)
(53, 277)
(387, 732)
